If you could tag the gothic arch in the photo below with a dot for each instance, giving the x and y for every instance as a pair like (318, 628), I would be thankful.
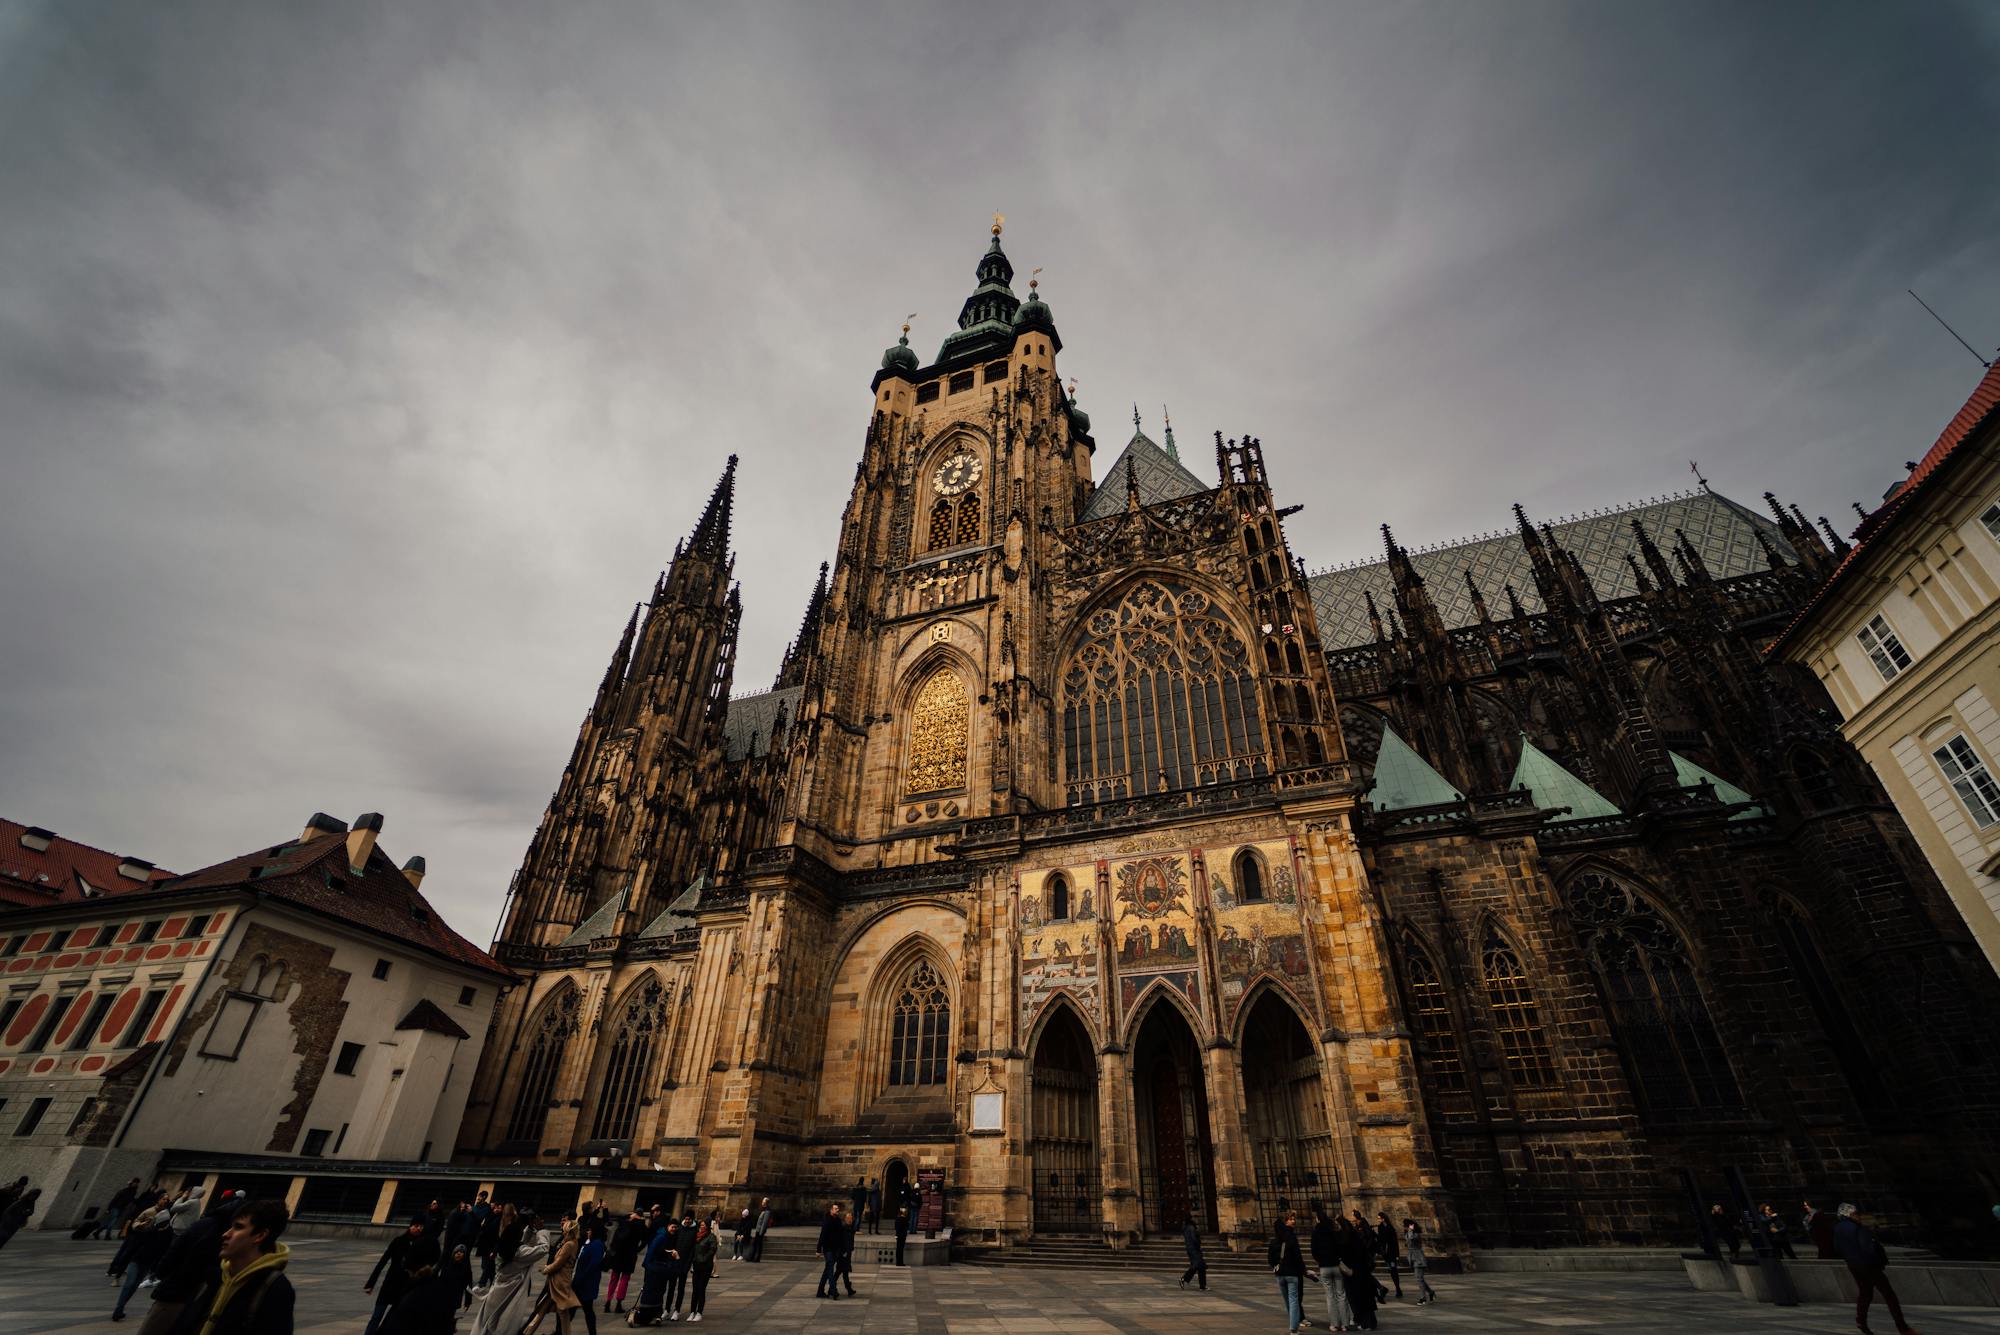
(935, 741)
(638, 1035)
(1513, 1005)
(1262, 983)
(1436, 1021)
(1653, 995)
(868, 923)
(546, 1036)
(1361, 728)
(1158, 689)
(1061, 999)
(919, 1043)
(1162, 992)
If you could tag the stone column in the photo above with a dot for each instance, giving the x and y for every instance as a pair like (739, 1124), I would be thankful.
(1118, 1145)
(1229, 1136)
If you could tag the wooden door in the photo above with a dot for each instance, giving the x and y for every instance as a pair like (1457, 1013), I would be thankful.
(1170, 1148)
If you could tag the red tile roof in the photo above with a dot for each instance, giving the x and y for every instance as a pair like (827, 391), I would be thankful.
(57, 874)
(315, 876)
(1978, 409)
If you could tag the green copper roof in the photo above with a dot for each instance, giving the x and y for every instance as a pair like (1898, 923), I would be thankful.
(1691, 774)
(675, 916)
(599, 923)
(1403, 779)
(1554, 786)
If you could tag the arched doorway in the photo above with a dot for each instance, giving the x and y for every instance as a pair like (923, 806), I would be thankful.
(1063, 1127)
(1291, 1146)
(895, 1183)
(1176, 1158)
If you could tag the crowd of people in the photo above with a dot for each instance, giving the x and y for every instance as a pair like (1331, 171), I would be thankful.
(1843, 1235)
(1347, 1253)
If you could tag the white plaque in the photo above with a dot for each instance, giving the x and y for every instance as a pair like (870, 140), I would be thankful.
(988, 1110)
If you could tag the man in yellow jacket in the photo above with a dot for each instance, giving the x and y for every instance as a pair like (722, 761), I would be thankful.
(253, 1297)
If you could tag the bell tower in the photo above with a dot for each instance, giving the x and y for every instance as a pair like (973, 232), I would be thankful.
(922, 709)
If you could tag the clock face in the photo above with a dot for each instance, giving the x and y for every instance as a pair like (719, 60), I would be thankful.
(956, 474)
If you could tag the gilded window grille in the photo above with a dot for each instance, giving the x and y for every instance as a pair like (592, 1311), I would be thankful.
(968, 518)
(921, 1029)
(940, 726)
(1436, 1032)
(1524, 1044)
(940, 530)
(1160, 693)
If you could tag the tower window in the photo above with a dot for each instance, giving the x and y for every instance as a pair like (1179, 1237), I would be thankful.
(1058, 899)
(1991, 518)
(961, 382)
(1884, 649)
(939, 725)
(927, 393)
(941, 526)
(995, 371)
(1249, 877)
(968, 518)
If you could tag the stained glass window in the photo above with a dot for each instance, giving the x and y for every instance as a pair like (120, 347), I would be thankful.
(642, 1021)
(1524, 1044)
(552, 1028)
(921, 1030)
(1437, 1035)
(939, 725)
(1670, 1043)
(1159, 694)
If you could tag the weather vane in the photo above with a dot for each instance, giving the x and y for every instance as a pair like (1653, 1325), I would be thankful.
(998, 219)
(1695, 468)
(1034, 277)
(906, 321)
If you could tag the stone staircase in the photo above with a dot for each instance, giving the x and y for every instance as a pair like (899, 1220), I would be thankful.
(1163, 1256)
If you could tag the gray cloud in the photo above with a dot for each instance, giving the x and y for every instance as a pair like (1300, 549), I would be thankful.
(362, 363)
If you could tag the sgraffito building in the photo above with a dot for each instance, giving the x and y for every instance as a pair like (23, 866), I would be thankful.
(1090, 852)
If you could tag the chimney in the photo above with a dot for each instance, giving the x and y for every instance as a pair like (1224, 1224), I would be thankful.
(320, 824)
(36, 838)
(135, 869)
(414, 869)
(361, 840)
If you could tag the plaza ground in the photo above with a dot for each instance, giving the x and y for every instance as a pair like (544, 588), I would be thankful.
(49, 1284)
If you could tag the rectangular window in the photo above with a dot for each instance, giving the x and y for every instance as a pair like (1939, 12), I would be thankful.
(1970, 778)
(995, 371)
(350, 1057)
(381, 968)
(7, 1012)
(46, 1030)
(196, 925)
(961, 382)
(466, 994)
(88, 1029)
(1888, 653)
(316, 1142)
(85, 1111)
(34, 1118)
(1992, 520)
(927, 393)
(14, 946)
(148, 931)
(135, 1033)
(340, 1139)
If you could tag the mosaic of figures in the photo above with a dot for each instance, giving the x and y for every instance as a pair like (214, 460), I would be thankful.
(1258, 927)
(1154, 932)
(1059, 940)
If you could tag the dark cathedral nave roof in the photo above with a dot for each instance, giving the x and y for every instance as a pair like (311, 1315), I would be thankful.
(746, 732)
(1161, 477)
(1723, 532)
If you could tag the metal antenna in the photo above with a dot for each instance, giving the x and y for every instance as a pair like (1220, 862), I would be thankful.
(1949, 330)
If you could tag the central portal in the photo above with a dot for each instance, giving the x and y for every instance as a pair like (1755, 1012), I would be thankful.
(1176, 1159)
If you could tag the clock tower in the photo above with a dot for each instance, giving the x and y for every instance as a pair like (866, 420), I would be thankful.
(925, 708)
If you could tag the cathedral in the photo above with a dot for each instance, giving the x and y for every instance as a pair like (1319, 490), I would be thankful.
(1095, 866)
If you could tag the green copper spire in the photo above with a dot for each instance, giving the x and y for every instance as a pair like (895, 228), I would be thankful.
(1691, 774)
(1172, 452)
(989, 311)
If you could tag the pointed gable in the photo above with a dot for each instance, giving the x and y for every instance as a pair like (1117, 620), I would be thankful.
(1161, 478)
(1691, 774)
(599, 923)
(1404, 779)
(1554, 786)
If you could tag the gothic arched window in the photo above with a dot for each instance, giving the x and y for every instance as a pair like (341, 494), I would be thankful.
(1810, 973)
(1437, 1034)
(1159, 694)
(1058, 899)
(940, 530)
(1517, 1022)
(940, 723)
(968, 517)
(1249, 869)
(550, 1031)
(1670, 1043)
(921, 1028)
(640, 1024)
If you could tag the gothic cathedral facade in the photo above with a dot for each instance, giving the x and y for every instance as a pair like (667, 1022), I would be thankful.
(1090, 852)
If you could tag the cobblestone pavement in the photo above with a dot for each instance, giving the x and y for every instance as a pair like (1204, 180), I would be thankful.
(49, 1284)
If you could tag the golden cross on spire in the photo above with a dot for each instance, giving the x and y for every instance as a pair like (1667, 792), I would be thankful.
(998, 219)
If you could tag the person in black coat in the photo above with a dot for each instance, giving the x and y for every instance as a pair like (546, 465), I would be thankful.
(1389, 1247)
(397, 1260)
(902, 1224)
(1357, 1254)
(1191, 1243)
(1326, 1248)
(1290, 1267)
(621, 1258)
(487, 1244)
(1866, 1261)
(191, 1267)
(146, 1247)
(832, 1245)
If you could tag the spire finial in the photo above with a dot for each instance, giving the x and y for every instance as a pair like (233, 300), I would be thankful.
(1135, 418)
(1172, 452)
(1034, 279)
(906, 328)
(999, 220)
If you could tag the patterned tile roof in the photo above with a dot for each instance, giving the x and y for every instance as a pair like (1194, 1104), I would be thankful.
(747, 730)
(1720, 529)
(1161, 478)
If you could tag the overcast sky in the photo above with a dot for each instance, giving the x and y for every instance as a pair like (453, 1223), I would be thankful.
(360, 364)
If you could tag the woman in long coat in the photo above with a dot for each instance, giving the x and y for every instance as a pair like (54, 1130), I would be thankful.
(558, 1294)
(502, 1307)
